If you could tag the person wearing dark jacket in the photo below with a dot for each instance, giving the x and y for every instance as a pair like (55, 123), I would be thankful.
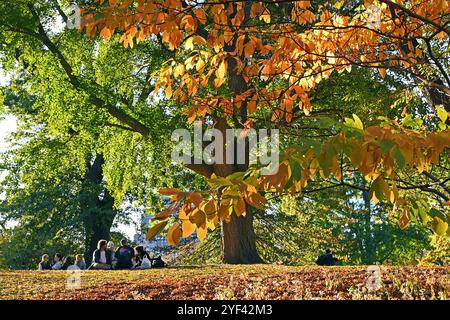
(101, 259)
(124, 255)
(326, 259)
(45, 263)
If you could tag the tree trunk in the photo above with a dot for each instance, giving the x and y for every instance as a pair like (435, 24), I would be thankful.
(98, 208)
(239, 240)
(369, 249)
(238, 235)
(94, 233)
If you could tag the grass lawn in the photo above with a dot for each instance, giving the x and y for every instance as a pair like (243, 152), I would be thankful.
(231, 282)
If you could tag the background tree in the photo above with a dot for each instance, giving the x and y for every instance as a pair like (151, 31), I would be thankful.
(71, 160)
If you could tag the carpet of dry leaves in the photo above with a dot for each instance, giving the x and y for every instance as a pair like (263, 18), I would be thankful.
(231, 282)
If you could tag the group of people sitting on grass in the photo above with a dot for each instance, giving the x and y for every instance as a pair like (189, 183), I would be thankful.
(106, 258)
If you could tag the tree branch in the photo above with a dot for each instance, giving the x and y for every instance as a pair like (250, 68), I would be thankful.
(112, 110)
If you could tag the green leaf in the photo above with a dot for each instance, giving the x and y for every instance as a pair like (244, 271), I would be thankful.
(437, 214)
(399, 158)
(236, 176)
(296, 170)
(386, 145)
(409, 121)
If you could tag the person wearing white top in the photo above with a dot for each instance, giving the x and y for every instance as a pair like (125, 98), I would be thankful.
(101, 258)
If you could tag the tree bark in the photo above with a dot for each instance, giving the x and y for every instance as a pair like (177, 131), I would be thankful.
(98, 208)
(239, 240)
(238, 235)
(368, 254)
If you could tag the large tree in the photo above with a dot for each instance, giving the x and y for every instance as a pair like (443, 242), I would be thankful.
(72, 165)
(243, 64)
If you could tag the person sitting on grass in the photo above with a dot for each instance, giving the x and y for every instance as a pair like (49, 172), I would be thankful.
(101, 260)
(110, 247)
(326, 259)
(58, 262)
(124, 255)
(79, 262)
(141, 258)
(67, 263)
(45, 263)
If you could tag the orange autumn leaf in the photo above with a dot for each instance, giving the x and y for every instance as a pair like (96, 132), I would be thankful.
(169, 191)
(201, 15)
(174, 234)
(188, 228)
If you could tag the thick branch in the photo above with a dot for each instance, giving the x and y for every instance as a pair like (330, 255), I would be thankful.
(112, 110)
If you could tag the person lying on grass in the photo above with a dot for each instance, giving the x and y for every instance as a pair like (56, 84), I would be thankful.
(101, 259)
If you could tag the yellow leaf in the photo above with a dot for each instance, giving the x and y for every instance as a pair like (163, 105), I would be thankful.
(179, 70)
(168, 92)
(192, 41)
(265, 16)
(439, 226)
(200, 65)
(358, 122)
(212, 222)
(239, 207)
(201, 232)
(174, 234)
(153, 231)
(106, 33)
(338, 4)
(188, 228)
(222, 70)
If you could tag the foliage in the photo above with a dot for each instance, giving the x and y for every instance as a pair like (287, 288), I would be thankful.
(62, 130)
(279, 59)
